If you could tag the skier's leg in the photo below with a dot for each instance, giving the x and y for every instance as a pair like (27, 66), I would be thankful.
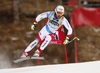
(33, 44)
(38, 39)
(43, 45)
(29, 48)
(46, 41)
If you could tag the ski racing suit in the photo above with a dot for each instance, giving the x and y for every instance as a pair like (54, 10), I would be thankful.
(47, 33)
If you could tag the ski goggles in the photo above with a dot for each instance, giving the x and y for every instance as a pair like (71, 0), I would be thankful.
(59, 13)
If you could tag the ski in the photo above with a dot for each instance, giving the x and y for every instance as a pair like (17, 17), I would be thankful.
(27, 58)
(21, 59)
(42, 58)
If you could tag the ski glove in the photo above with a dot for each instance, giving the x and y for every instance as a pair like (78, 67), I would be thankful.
(66, 40)
(33, 26)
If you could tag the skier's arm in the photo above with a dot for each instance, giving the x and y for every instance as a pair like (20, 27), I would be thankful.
(40, 17)
(68, 27)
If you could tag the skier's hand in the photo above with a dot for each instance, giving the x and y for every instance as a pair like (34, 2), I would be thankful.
(66, 40)
(33, 26)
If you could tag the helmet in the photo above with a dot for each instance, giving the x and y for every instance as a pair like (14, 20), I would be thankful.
(59, 8)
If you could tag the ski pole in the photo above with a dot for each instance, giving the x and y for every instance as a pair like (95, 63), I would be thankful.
(73, 39)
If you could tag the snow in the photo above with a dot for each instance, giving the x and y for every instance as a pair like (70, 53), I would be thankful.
(96, 30)
(86, 67)
(14, 38)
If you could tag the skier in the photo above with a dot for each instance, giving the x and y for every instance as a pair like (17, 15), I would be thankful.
(47, 33)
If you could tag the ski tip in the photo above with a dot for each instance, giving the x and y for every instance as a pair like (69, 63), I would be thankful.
(14, 61)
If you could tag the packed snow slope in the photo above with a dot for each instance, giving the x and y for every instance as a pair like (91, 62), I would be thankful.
(86, 67)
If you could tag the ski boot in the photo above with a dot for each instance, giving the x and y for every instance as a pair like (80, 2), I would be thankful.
(24, 55)
(36, 54)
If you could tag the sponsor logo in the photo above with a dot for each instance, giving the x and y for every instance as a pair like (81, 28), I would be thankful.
(33, 44)
(55, 37)
(45, 43)
(54, 22)
(60, 9)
